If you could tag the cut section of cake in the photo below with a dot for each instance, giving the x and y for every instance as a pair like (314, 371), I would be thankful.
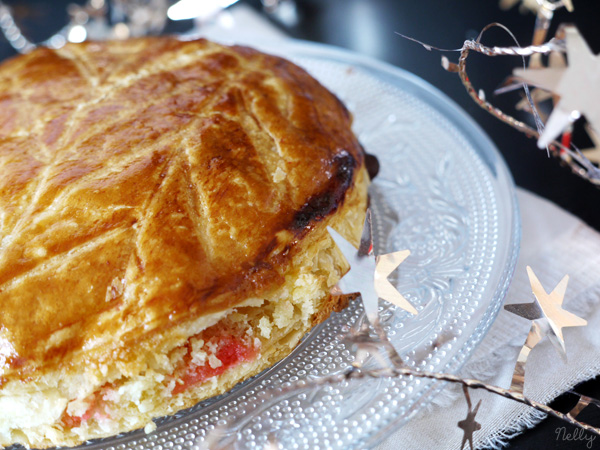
(163, 215)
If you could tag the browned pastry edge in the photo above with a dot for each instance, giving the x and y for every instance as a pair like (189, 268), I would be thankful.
(141, 196)
(143, 102)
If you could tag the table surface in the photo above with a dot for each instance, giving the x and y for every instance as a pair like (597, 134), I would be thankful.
(370, 27)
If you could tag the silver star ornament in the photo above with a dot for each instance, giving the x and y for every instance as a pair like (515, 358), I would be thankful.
(578, 86)
(469, 425)
(546, 310)
(368, 273)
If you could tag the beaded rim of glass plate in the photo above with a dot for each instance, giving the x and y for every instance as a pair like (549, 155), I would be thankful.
(445, 194)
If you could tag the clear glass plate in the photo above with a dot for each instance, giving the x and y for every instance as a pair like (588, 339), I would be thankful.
(444, 193)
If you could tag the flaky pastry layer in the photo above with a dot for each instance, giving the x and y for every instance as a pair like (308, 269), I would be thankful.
(66, 410)
(147, 184)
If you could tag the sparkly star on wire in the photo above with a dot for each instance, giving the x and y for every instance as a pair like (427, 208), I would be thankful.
(536, 5)
(368, 273)
(592, 153)
(577, 85)
(469, 425)
(547, 311)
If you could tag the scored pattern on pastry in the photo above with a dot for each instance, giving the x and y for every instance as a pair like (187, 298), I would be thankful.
(145, 179)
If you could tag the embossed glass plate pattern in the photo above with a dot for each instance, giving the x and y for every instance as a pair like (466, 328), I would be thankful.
(444, 193)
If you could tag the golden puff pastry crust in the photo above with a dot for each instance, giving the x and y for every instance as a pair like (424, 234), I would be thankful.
(151, 189)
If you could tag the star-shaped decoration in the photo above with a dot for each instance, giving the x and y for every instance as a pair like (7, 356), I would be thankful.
(578, 86)
(537, 96)
(368, 273)
(525, 5)
(592, 153)
(536, 5)
(568, 4)
(582, 403)
(547, 311)
(469, 425)
(556, 60)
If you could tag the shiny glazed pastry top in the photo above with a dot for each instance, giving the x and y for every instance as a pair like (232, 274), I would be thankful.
(149, 182)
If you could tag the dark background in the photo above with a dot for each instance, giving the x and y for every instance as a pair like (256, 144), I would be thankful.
(370, 27)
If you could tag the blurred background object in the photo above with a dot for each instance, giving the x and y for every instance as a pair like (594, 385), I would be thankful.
(93, 20)
(199, 11)
(120, 19)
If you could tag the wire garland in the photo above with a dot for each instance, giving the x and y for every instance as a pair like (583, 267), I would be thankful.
(571, 157)
(355, 373)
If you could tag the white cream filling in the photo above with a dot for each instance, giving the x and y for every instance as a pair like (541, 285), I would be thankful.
(26, 406)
